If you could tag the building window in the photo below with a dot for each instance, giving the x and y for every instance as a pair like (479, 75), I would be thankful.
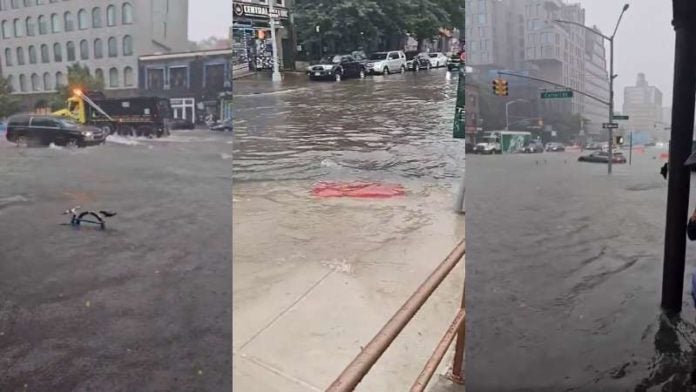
(96, 17)
(5, 29)
(40, 2)
(47, 81)
(10, 81)
(43, 26)
(99, 74)
(111, 16)
(70, 48)
(32, 54)
(17, 28)
(155, 79)
(69, 22)
(98, 48)
(20, 56)
(57, 53)
(35, 82)
(128, 76)
(127, 46)
(178, 77)
(27, 3)
(45, 57)
(84, 50)
(60, 80)
(31, 29)
(82, 19)
(482, 19)
(113, 77)
(14, 3)
(214, 75)
(55, 23)
(113, 48)
(23, 83)
(8, 57)
(127, 13)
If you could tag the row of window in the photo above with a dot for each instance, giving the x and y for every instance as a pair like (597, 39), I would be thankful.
(27, 27)
(27, 3)
(71, 55)
(47, 83)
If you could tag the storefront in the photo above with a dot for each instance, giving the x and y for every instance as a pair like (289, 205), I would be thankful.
(251, 33)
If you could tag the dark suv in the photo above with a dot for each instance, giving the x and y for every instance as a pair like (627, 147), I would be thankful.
(336, 67)
(31, 129)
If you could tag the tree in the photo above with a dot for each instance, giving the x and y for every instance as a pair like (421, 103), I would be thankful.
(425, 19)
(79, 77)
(9, 104)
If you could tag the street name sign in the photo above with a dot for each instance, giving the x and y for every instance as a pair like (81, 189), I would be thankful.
(610, 125)
(556, 94)
(619, 117)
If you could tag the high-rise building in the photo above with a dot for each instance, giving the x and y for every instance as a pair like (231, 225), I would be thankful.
(643, 105)
(596, 83)
(493, 34)
(40, 38)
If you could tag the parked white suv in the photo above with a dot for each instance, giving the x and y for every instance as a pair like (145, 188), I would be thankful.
(386, 62)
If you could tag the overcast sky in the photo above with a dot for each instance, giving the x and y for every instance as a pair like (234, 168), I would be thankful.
(643, 43)
(209, 18)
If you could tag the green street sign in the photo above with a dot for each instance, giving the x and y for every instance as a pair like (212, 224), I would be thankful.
(556, 94)
(619, 117)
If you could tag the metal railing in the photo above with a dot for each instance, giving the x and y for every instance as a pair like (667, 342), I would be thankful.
(363, 362)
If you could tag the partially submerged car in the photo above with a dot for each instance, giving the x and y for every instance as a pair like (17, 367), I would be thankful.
(35, 129)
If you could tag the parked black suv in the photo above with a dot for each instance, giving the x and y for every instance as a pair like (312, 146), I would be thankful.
(31, 129)
(337, 67)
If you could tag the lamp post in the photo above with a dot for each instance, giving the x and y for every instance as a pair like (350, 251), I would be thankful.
(507, 104)
(321, 48)
(276, 70)
(611, 75)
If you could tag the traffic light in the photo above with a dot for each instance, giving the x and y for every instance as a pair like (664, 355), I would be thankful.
(500, 87)
(618, 140)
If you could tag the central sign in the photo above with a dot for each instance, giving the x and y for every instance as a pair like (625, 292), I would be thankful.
(259, 11)
(610, 125)
(556, 94)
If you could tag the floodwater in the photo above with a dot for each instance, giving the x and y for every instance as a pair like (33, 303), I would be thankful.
(377, 128)
(141, 306)
(564, 269)
(315, 278)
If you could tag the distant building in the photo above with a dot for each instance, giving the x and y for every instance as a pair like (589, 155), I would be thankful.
(197, 83)
(643, 105)
(41, 38)
(596, 82)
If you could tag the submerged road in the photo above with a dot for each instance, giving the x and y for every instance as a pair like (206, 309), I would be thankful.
(564, 269)
(144, 305)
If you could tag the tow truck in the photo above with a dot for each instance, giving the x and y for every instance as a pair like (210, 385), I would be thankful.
(138, 116)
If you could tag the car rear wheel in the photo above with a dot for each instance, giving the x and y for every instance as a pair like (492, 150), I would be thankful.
(385, 71)
(22, 141)
(403, 69)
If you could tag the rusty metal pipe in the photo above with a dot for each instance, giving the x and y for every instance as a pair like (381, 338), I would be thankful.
(440, 351)
(356, 370)
(457, 374)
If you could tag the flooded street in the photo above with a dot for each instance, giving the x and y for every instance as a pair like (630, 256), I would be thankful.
(143, 305)
(564, 271)
(315, 278)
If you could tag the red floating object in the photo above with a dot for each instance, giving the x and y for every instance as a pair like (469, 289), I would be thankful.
(357, 190)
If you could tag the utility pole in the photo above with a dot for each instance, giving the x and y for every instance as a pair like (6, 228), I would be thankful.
(611, 76)
(274, 45)
(679, 177)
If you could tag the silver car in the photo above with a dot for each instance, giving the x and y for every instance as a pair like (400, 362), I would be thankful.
(385, 63)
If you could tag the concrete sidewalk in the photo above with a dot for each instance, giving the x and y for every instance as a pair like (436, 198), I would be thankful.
(315, 279)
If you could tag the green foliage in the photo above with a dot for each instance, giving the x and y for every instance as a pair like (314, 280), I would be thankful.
(369, 25)
(80, 77)
(9, 104)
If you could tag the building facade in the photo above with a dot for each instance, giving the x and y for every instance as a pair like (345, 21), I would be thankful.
(40, 38)
(643, 105)
(596, 83)
(251, 34)
(198, 84)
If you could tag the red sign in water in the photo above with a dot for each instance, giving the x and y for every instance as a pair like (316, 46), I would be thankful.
(357, 190)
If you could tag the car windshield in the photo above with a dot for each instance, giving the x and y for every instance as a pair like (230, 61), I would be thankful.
(378, 56)
(330, 60)
(65, 123)
(411, 56)
(433, 55)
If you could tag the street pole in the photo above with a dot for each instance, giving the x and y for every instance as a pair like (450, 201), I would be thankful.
(684, 84)
(630, 151)
(276, 68)
(611, 102)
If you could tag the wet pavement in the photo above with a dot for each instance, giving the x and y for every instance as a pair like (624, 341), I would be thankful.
(141, 306)
(314, 278)
(564, 269)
